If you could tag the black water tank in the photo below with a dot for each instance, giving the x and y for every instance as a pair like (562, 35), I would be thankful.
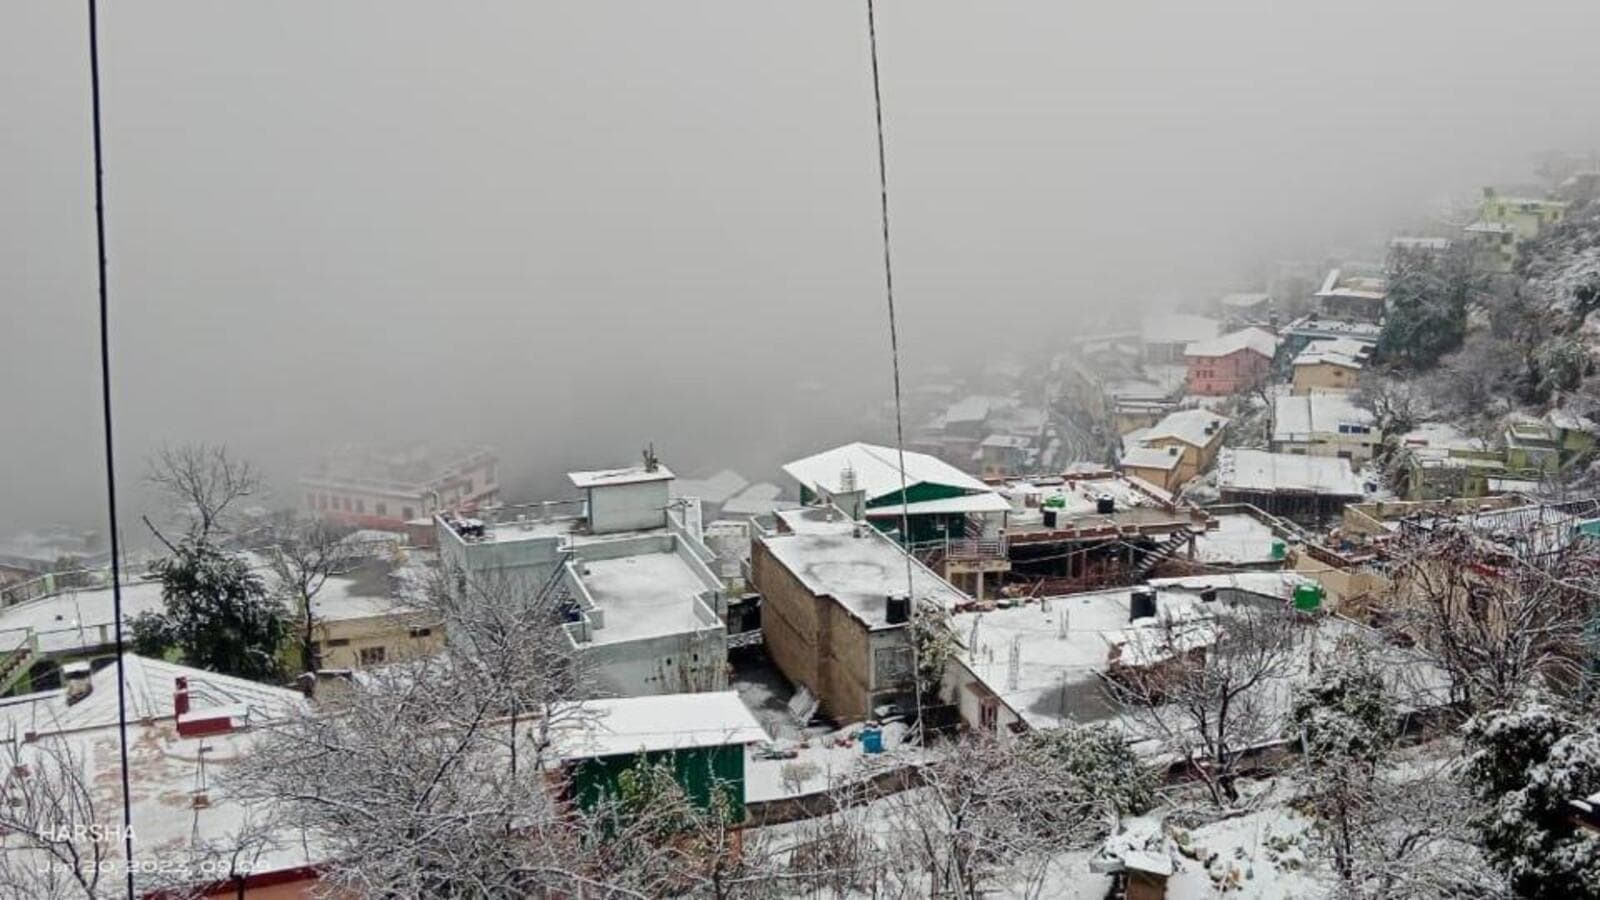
(1049, 518)
(1105, 504)
(897, 609)
(1209, 595)
(1142, 604)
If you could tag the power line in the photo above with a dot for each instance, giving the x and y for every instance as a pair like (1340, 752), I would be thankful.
(111, 469)
(894, 344)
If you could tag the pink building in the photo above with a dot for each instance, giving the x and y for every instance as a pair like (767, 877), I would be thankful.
(1231, 363)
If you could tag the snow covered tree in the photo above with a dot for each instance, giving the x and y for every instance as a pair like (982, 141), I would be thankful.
(1530, 762)
(215, 612)
(305, 553)
(1210, 698)
(1426, 313)
(56, 844)
(1346, 721)
(202, 485)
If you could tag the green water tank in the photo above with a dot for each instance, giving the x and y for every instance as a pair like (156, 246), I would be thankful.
(1279, 549)
(1055, 501)
(1308, 597)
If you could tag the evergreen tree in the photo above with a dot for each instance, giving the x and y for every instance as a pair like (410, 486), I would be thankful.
(1427, 308)
(1530, 763)
(216, 613)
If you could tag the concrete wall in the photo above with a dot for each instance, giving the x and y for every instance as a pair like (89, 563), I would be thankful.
(1323, 377)
(341, 642)
(628, 507)
(816, 643)
(529, 560)
(683, 663)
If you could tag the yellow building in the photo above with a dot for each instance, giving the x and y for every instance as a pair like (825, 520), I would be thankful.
(355, 631)
(1176, 449)
(1329, 365)
(1504, 223)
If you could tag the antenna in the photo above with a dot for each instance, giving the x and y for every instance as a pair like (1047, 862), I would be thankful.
(650, 462)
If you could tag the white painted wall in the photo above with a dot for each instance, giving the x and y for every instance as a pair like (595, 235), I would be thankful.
(628, 507)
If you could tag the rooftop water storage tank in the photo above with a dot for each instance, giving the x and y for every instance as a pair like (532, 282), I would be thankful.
(1308, 597)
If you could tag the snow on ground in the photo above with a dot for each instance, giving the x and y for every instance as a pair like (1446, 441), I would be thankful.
(827, 761)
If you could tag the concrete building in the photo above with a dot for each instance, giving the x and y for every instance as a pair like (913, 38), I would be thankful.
(1302, 332)
(1231, 363)
(1329, 365)
(645, 605)
(836, 609)
(1443, 462)
(1353, 294)
(368, 487)
(1324, 424)
(1307, 490)
(1190, 440)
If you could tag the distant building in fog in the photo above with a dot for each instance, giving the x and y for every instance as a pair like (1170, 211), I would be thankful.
(385, 488)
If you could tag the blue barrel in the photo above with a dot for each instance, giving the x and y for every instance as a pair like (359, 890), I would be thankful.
(872, 740)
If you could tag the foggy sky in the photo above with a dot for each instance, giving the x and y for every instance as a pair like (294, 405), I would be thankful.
(571, 228)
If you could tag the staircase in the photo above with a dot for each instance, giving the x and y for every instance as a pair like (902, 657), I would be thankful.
(1160, 554)
(14, 661)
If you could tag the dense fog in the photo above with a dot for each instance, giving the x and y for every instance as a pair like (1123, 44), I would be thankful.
(569, 229)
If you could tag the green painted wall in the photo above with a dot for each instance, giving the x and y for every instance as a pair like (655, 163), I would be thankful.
(699, 771)
(919, 492)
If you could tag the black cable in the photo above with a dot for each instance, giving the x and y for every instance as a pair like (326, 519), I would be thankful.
(894, 340)
(111, 469)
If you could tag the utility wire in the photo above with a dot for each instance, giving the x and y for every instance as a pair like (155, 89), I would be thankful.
(111, 469)
(894, 347)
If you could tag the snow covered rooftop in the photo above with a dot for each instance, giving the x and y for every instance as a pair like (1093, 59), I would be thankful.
(970, 504)
(1195, 427)
(643, 595)
(877, 470)
(1163, 458)
(1178, 328)
(1238, 539)
(1253, 339)
(1442, 436)
(628, 475)
(718, 488)
(1348, 352)
(1244, 301)
(758, 499)
(1361, 287)
(858, 567)
(1298, 418)
(1258, 470)
(631, 725)
(1314, 327)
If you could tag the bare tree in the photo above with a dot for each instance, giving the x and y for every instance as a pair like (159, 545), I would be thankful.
(1205, 688)
(304, 555)
(1500, 614)
(55, 842)
(201, 484)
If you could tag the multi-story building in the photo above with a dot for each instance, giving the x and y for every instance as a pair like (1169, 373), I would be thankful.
(384, 489)
(1355, 293)
(1231, 363)
(1324, 424)
(1504, 223)
(1329, 365)
(1176, 449)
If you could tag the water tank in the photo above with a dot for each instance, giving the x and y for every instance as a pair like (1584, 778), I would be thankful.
(1308, 597)
(1208, 595)
(1105, 504)
(1279, 549)
(897, 609)
(1142, 604)
(1049, 517)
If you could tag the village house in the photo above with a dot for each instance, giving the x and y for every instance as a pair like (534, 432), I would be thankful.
(1302, 332)
(1175, 450)
(1329, 365)
(836, 609)
(644, 605)
(864, 480)
(1353, 293)
(187, 729)
(1229, 364)
(1049, 664)
(367, 487)
(1324, 424)
(1442, 462)
(1166, 336)
(1090, 528)
(1307, 490)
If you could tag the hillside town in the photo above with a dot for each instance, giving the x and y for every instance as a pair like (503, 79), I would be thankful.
(1286, 591)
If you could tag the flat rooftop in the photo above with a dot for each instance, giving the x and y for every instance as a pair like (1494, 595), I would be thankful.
(859, 572)
(1239, 539)
(643, 595)
(626, 475)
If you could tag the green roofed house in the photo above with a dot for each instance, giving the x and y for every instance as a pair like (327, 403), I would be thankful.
(941, 501)
(701, 736)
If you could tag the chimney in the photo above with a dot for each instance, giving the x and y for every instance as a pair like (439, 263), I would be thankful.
(180, 695)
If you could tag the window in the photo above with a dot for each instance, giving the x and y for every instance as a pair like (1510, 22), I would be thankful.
(988, 714)
(407, 513)
(381, 508)
(339, 642)
(421, 632)
(1344, 454)
(371, 656)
